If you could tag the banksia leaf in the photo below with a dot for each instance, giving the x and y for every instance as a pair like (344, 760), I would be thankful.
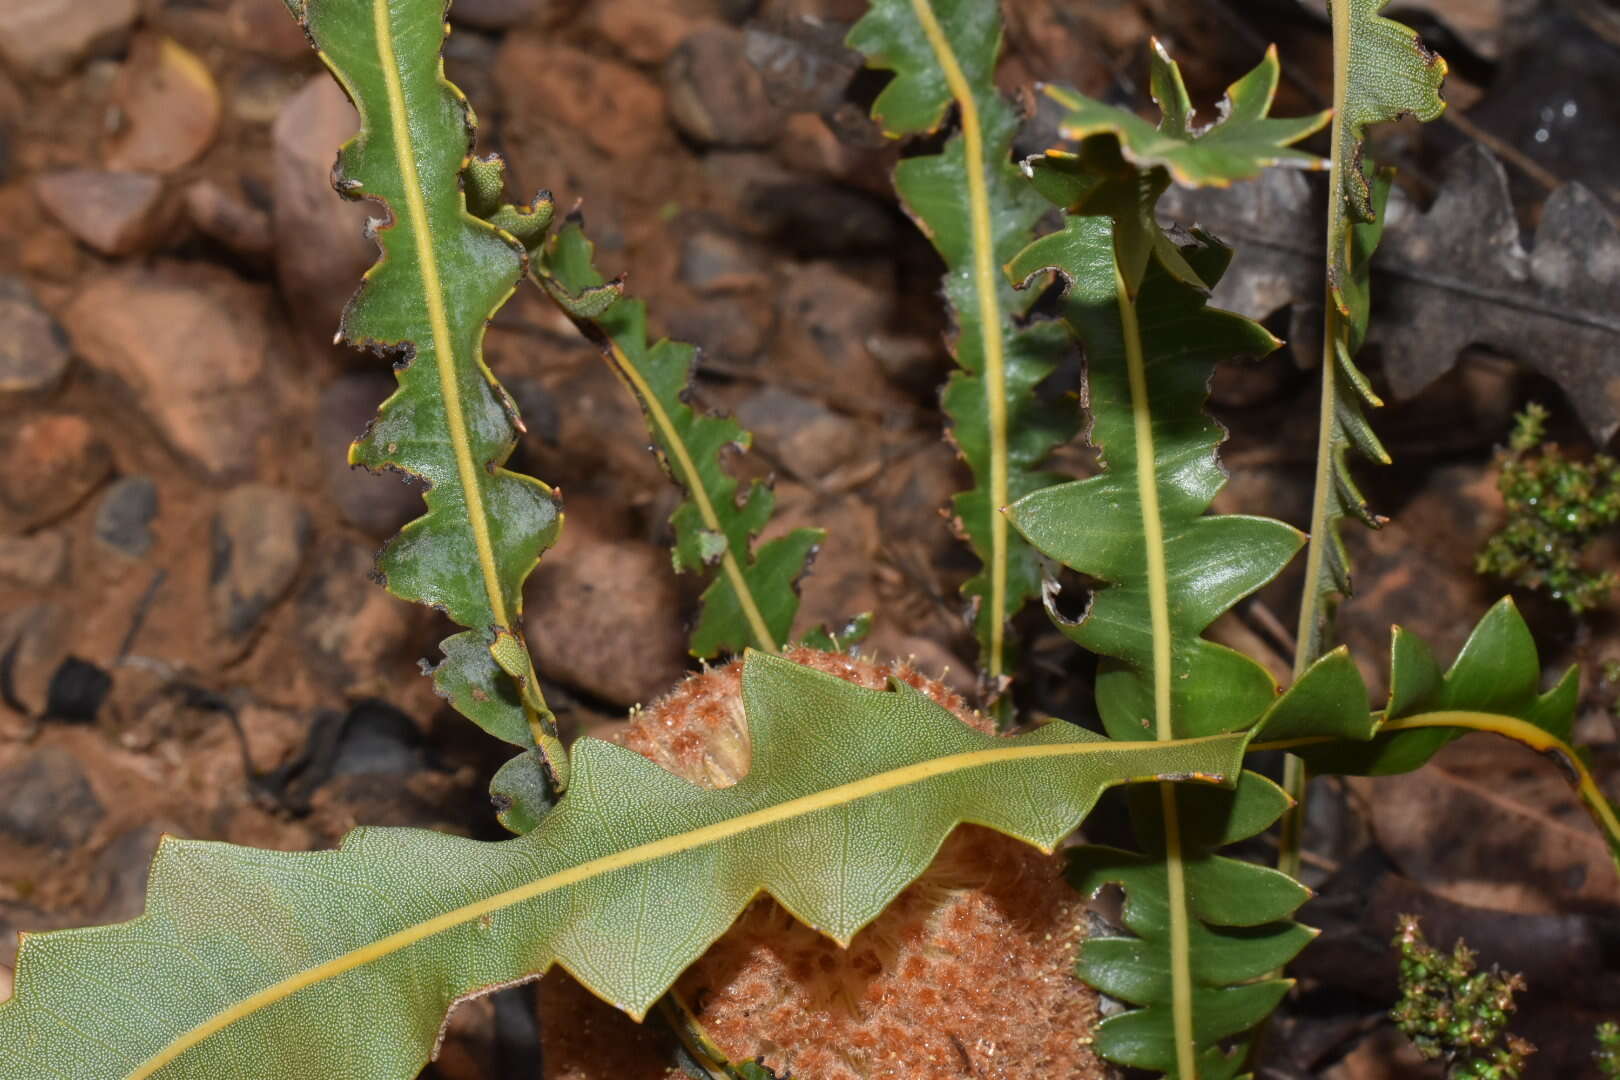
(1209, 931)
(1494, 685)
(752, 598)
(442, 275)
(1243, 140)
(1383, 73)
(970, 202)
(282, 966)
(1166, 571)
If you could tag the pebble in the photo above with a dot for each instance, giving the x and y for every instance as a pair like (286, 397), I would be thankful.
(716, 97)
(801, 434)
(353, 632)
(728, 328)
(602, 615)
(259, 538)
(34, 352)
(375, 503)
(645, 31)
(377, 739)
(168, 105)
(125, 514)
(48, 38)
(116, 213)
(36, 561)
(232, 221)
(614, 107)
(266, 29)
(818, 218)
(825, 319)
(320, 244)
(34, 642)
(49, 802)
(53, 462)
(496, 14)
(189, 341)
(714, 261)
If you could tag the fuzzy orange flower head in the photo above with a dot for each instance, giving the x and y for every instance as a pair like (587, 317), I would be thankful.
(967, 974)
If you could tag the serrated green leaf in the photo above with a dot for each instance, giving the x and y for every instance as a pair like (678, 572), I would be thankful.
(971, 203)
(1209, 930)
(1381, 72)
(1243, 140)
(283, 966)
(1346, 395)
(442, 275)
(753, 597)
(1493, 686)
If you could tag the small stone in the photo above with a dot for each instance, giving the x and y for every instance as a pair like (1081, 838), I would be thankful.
(259, 90)
(645, 31)
(801, 434)
(716, 97)
(813, 217)
(713, 261)
(169, 105)
(34, 643)
(222, 216)
(122, 871)
(321, 247)
(727, 328)
(603, 616)
(52, 463)
(116, 213)
(49, 802)
(377, 739)
(825, 322)
(34, 562)
(354, 633)
(260, 535)
(265, 29)
(375, 503)
(125, 514)
(48, 38)
(33, 348)
(190, 342)
(495, 14)
(613, 106)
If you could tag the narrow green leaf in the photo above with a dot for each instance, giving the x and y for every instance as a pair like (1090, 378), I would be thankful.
(442, 276)
(283, 966)
(753, 598)
(1209, 931)
(1493, 686)
(976, 210)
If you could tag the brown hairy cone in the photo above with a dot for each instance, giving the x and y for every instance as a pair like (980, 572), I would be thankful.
(967, 974)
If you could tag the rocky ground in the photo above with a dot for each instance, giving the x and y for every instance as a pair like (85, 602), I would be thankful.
(188, 639)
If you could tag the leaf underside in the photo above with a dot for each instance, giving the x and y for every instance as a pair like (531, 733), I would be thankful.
(977, 211)
(442, 275)
(283, 966)
(752, 598)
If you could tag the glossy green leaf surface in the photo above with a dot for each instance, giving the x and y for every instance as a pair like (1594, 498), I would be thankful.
(1242, 140)
(442, 275)
(752, 598)
(1210, 932)
(973, 205)
(284, 966)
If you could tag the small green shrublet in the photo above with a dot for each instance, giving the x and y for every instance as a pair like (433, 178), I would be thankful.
(1607, 1055)
(1556, 508)
(1452, 1011)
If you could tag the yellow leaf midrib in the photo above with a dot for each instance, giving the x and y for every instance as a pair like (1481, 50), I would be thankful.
(1158, 594)
(994, 374)
(693, 480)
(641, 854)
